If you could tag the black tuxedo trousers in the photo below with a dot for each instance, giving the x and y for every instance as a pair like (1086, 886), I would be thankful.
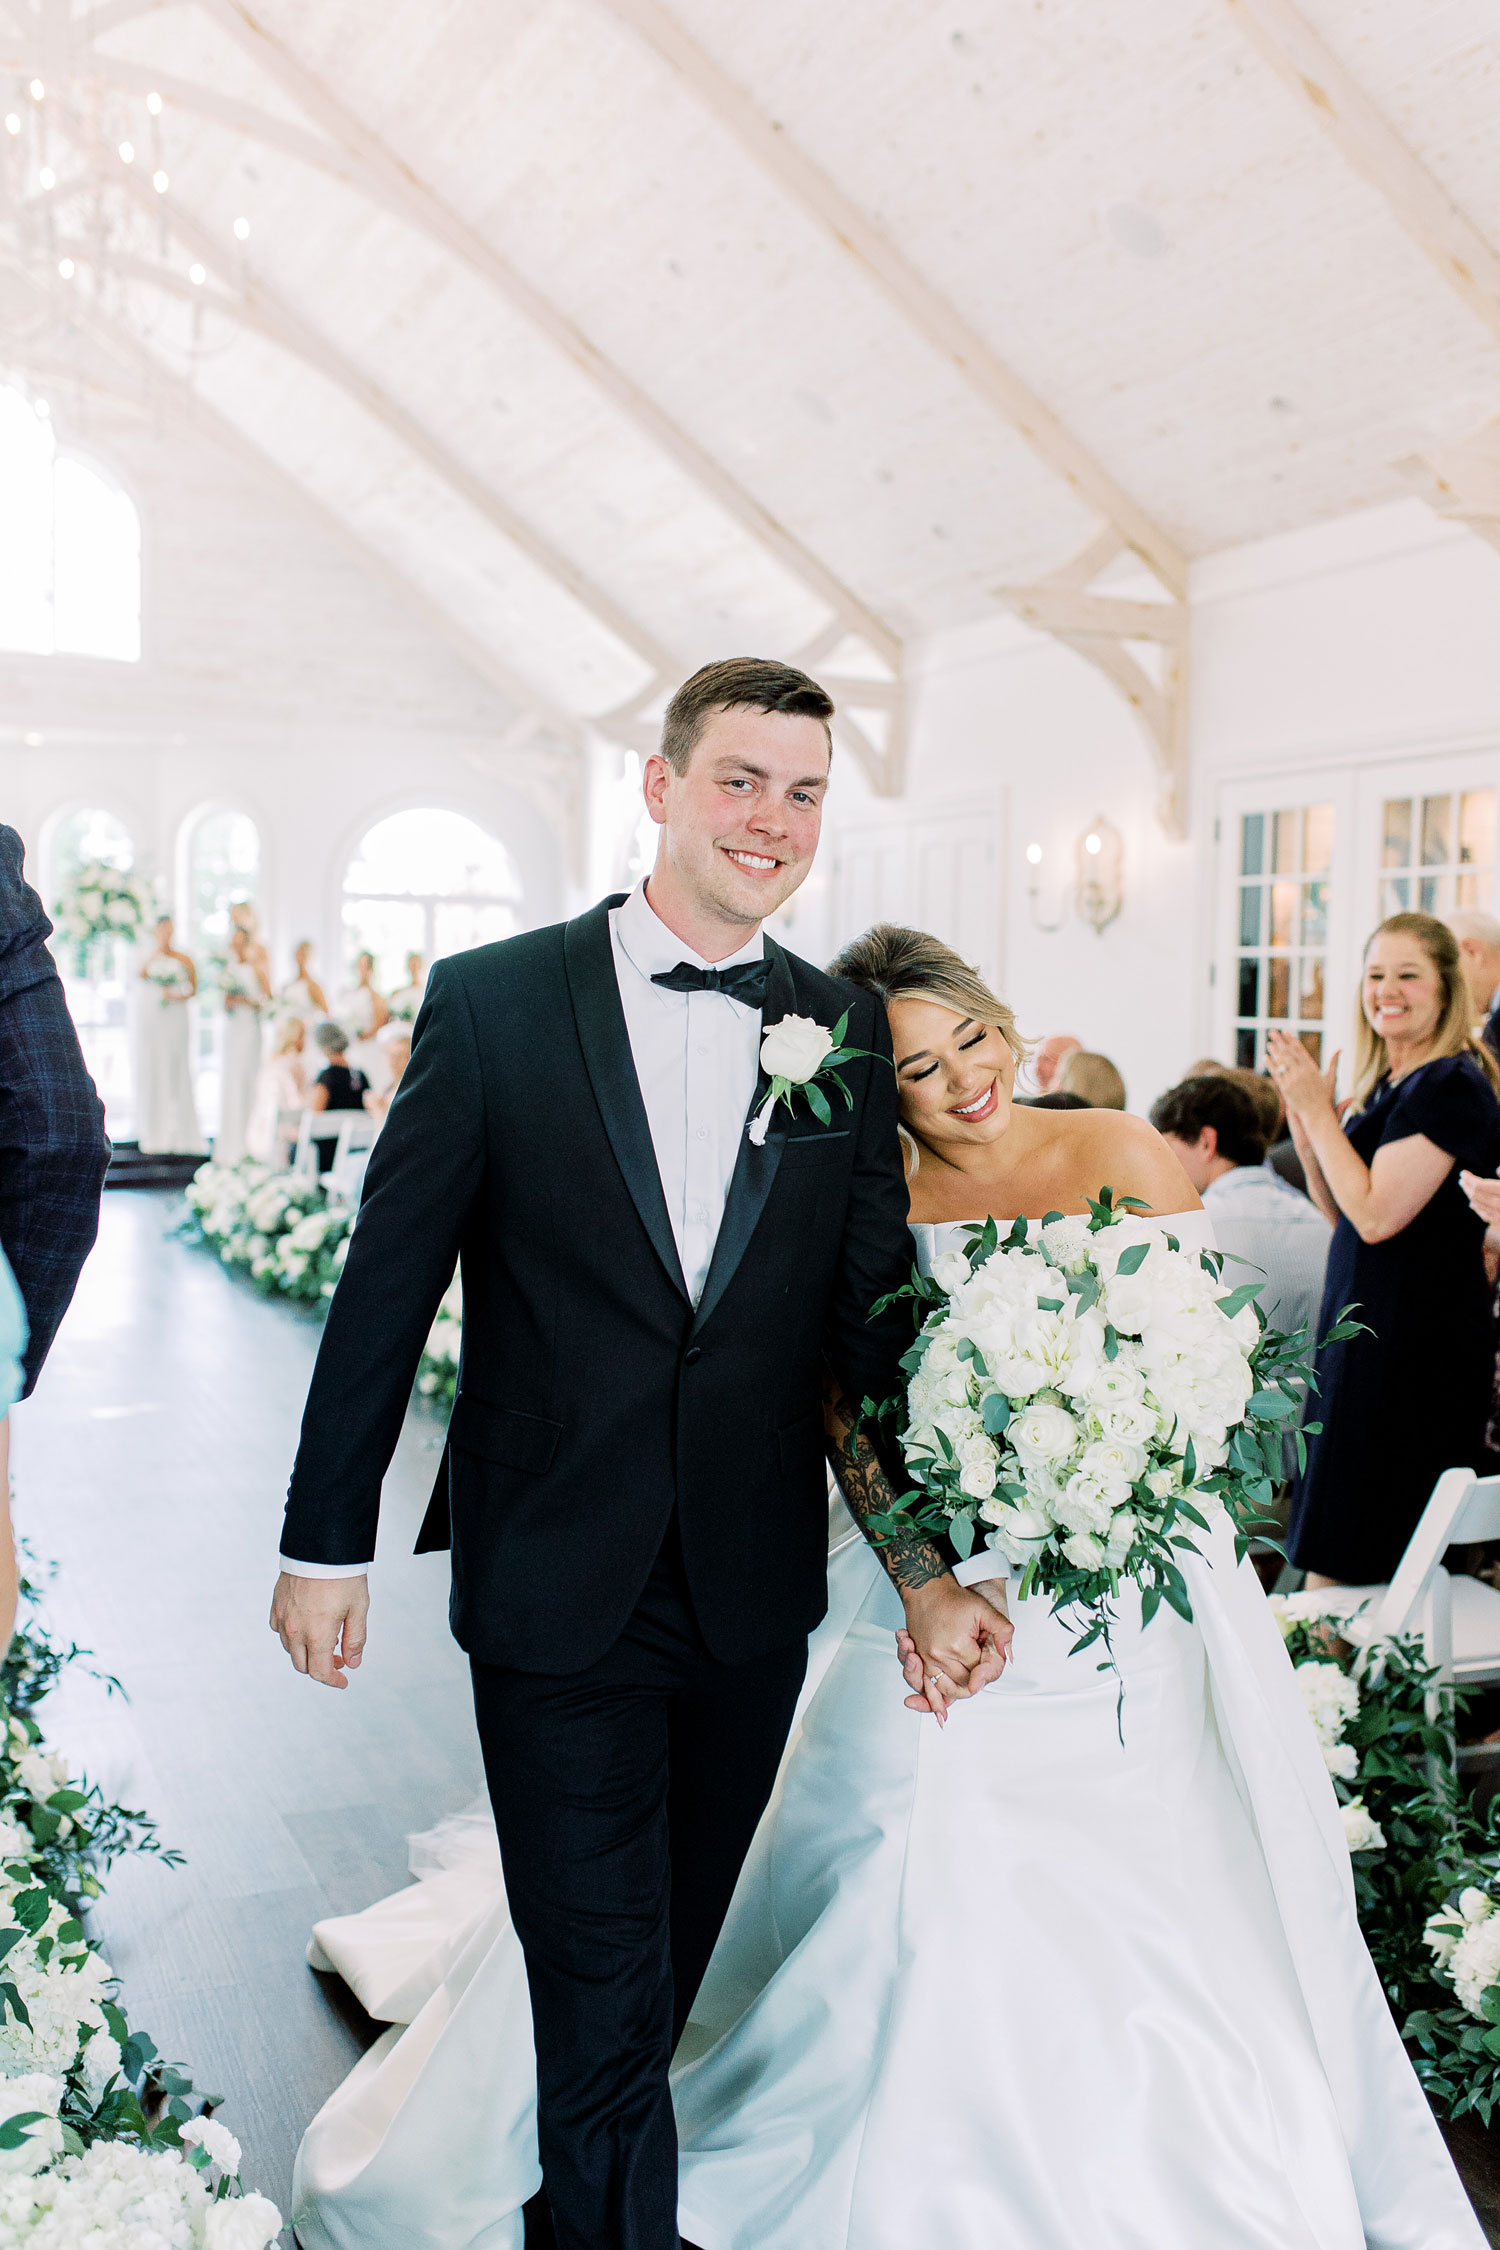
(633, 1487)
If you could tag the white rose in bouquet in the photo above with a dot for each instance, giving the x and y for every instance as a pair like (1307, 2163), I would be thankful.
(1362, 1834)
(1084, 1551)
(1087, 1503)
(42, 1772)
(950, 1270)
(1044, 1434)
(794, 1048)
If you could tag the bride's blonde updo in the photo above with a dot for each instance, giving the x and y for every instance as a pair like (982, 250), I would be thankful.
(898, 964)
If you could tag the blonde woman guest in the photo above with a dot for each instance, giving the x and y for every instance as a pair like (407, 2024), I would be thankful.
(1409, 1397)
(1093, 1078)
(247, 988)
(168, 1117)
(280, 1095)
(304, 992)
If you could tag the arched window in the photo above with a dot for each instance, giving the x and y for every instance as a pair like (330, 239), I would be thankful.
(97, 1001)
(428, 882)
(70, 561)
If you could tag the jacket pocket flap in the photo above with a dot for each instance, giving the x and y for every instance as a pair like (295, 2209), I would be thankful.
(499, 1433)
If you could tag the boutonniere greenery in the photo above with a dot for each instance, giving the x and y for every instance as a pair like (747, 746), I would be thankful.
(801, 1056)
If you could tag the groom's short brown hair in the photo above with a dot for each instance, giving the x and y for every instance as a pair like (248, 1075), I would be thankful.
(739, 682)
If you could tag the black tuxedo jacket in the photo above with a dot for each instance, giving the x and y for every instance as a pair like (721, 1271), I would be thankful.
(592, 1397)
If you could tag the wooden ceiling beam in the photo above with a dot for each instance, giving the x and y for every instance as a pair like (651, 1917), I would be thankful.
(388, 180)
(857, 237)
(1373, 148)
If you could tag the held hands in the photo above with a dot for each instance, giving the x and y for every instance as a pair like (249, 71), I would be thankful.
(321, 1624)
(955, 1642)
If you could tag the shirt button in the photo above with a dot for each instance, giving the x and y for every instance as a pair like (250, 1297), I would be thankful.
(703, 1132)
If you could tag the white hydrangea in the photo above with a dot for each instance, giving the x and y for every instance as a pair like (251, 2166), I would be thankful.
(1331, 1700)
(39, 2093)
(216, 2141)
(63, 1995)
(1447, 1929)
(244, 2222)
(1069, 1242)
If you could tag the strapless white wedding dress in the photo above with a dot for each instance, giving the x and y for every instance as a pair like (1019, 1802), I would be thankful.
(1011, 1982)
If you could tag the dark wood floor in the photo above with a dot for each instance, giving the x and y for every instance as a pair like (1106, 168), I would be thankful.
(152, 1464)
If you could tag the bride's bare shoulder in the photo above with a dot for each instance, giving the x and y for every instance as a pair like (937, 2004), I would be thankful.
(1127, 1154)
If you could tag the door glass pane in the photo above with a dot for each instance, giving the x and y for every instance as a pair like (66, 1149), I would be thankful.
(1317, 839)
(1244, 1050)
(1437, 815)
(1250, 898)
(1249, 988)
(1285, 847)
(1314, 913)
(1470, 889)
(1310, 1002)
(1429, 895)
(1397, 846)
(1476, 827)
(1313, 1042)
(1283, 910)
(1395, 895)
(1280, 974)
(1252, 842)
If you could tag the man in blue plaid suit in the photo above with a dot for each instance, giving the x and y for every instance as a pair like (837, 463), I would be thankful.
(53, 1148)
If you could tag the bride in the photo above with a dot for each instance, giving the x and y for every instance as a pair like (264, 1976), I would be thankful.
(1007, 1979)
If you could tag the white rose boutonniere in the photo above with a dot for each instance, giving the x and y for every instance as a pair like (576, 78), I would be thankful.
(795, 1055)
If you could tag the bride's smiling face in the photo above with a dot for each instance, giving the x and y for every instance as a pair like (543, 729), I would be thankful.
(955, 1076)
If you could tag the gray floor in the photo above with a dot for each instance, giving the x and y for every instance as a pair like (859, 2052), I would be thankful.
(151, 1464)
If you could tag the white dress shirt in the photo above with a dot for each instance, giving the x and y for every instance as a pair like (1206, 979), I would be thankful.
(696, 1056)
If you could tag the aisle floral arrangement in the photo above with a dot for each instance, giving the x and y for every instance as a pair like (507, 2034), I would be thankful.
(283, 1232)
(101, 2143)
(99, 904)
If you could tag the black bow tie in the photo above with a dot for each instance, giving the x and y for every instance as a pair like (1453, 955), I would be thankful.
(746, 981)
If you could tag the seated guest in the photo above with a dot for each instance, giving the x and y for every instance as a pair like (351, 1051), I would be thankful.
(1281, 1150)
(1478, 938)
(1220, 1141)
(280, 1095)
(1093, 1078)
(336, 1085)
(395, 1049)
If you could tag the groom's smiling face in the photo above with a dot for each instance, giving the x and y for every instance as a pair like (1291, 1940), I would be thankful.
(740, 825)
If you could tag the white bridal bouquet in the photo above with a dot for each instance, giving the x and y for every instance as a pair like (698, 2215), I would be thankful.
(166, 974)
(1087, 1395)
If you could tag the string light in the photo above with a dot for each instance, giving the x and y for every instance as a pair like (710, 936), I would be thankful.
(160, 182)
(38, 90)
(127, 152)
(12, 123)
(47, 177)
(153, 104)
(242, 230)
(197, 275)
(66, 268)
(1093, 842)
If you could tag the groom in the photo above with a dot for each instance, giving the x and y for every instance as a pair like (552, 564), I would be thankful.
(633, 1486)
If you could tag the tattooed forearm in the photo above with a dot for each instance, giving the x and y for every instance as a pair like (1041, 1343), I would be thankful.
(868, 1491)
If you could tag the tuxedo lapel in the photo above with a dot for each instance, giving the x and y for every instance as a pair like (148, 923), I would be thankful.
(589, 957)
(755, 1168)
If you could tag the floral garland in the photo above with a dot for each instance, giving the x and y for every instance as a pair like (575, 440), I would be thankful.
(100, 2141)
(100, 904)
(281, 1230)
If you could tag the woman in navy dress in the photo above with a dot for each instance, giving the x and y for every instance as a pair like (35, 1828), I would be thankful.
(1409, 1399)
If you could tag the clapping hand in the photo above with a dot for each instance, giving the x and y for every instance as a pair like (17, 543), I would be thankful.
(956, 1640)
(1483, 1194)
(1304, 1089)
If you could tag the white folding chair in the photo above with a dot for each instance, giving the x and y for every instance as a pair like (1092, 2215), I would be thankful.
(351, 1154)
(1457, 1618)
(317, 1125)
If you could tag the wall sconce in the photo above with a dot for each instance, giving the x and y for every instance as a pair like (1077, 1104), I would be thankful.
(1098, 880)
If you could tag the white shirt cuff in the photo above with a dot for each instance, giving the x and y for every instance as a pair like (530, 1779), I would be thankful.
(324, 1569)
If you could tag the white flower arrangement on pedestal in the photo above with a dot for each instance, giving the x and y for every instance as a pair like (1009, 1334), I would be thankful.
(1088, 1396)
(101, 905)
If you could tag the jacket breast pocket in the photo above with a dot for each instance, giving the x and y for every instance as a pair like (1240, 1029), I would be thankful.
(799, 1148)
(500, 1433)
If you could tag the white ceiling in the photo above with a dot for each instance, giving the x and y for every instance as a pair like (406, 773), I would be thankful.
(523, 309)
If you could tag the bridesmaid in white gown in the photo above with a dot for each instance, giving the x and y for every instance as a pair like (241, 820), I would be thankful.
(364, 1013)
(167, 1116)
(1009, 1981)
(246, 991)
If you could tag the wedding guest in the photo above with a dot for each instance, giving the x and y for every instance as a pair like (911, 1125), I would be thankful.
(1408, 1396)
(395, 1054)
(166, 1110)
(304, 992)
(246, 991)
(12, 1377)
(1093, 1078)
(364, 1014)
(336, 1086)
(53, 1147)
(280, 1095)
(1051, 1053)
(407, 998)
(1478, 938)
(1281, 1154)
(1220, 1139)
